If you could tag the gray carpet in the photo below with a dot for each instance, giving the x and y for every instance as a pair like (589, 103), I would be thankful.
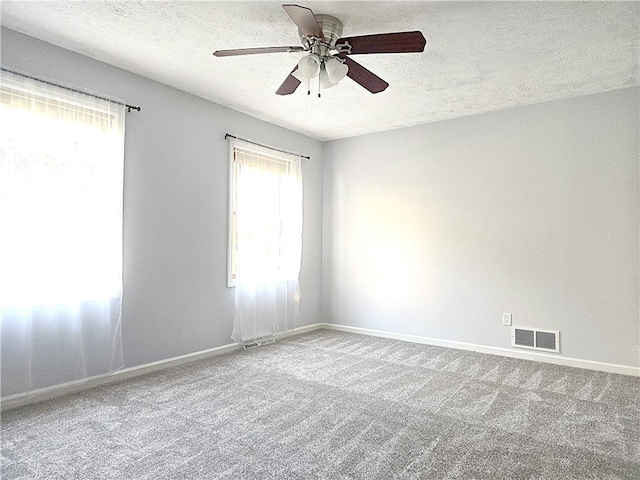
(334, 405)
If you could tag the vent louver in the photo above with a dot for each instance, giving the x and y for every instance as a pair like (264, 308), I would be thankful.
(533, 338)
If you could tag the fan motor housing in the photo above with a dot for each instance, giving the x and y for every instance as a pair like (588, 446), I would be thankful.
(331, 29)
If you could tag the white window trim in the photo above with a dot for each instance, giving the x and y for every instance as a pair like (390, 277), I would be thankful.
(231, 281)
(271, 153)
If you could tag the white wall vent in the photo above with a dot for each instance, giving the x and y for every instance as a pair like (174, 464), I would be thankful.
(545, 340)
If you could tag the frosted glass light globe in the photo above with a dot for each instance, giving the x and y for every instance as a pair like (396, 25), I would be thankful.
(309, 66)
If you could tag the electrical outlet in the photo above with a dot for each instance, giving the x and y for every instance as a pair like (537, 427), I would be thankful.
(506, 319)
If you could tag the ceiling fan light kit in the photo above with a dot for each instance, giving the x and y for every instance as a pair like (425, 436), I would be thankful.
(321, 35)
(329, 71)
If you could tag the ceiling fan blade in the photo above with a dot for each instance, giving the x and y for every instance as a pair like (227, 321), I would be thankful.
(253, 51)
(364, 77)
(401, 42)
(289, 85)
(304, 18)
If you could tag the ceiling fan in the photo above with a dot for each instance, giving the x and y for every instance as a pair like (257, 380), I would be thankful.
(320, 36)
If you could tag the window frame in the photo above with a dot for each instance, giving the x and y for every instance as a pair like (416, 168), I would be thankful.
(231, 219)
(279, 164)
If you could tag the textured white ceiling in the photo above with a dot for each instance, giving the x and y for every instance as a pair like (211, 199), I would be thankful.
(480, 56)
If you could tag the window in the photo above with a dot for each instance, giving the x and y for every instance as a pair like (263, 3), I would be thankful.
(265, 218)
(61, 170)
(265, 241)
(61, 176)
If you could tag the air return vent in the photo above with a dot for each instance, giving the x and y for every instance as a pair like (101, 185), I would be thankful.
(544, 340)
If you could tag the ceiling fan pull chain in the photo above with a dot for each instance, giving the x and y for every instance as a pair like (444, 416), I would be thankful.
(308, 86)
(319, 86)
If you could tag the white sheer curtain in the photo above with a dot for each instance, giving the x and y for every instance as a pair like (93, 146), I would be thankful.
(61, 177)
(266, 240)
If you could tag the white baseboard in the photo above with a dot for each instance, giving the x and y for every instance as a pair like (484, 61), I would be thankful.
(300, 330)
(504, 352)
(47, 393)
(20, 399)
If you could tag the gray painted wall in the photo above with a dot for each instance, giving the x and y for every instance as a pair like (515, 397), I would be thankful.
(175, 204)
(437, 230)
(433, 230)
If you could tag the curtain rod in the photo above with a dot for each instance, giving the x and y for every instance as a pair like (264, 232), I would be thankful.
(228, 135)
(53, 84)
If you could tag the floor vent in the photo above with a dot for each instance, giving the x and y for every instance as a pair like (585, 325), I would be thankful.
(545, 340)
(258, 342)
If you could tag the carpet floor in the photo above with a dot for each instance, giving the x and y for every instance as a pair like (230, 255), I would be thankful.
(333, 405)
